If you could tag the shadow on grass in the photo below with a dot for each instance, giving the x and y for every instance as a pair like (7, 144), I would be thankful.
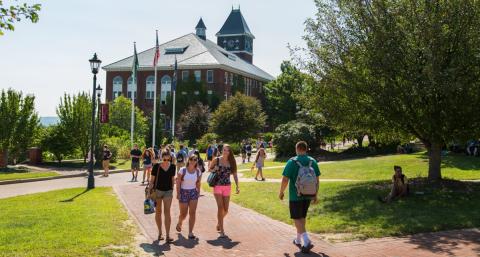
(74, 197)
(9, 170)
(155, 248)
(443, 206)
(457, 160)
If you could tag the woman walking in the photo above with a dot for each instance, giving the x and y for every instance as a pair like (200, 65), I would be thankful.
(260, 162)
(225, 166)
(188, 191)
(162, 180)
(148, 157)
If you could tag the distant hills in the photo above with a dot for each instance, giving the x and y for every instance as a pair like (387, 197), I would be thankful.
(48, 121)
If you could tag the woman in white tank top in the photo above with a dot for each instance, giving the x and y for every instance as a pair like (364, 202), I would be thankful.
(188, 191)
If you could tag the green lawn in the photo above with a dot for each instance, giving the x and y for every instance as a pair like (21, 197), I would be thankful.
(268, 163)
(380, 168)
(78, 164)
(71, 222)
(353, 208)
(14, 174)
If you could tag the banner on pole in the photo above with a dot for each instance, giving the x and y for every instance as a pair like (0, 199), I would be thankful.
(104, 113)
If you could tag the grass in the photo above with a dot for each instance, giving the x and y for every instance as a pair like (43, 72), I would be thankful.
(78, 164)
(21, 173)
(70, 222)
(353, 208)
(381, 167)
(268, 163)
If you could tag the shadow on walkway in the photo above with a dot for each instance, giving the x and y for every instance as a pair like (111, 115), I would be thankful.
(312, 253)
(73, 198)
(155, 248)
(185, 242)
(226, 243)
(446, 242)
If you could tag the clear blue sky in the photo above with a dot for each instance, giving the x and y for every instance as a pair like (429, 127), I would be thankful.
(51, 57)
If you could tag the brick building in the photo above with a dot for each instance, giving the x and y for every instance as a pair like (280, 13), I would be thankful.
(213, 64)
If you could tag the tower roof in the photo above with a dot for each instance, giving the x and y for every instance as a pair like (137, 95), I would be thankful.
(200, 24)
(235, 25)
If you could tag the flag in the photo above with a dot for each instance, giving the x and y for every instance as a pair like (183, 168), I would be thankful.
(157, 52)
(135, 64)
(174, 84)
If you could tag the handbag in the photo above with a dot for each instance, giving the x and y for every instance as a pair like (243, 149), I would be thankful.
(148, 206)
(153, 191)
(213, 176)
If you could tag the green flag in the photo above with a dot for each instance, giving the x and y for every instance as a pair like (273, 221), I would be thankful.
(135, 63)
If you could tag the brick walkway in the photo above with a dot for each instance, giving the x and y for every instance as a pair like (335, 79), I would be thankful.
(253, 234)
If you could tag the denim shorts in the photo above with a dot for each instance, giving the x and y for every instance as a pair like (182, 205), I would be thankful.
(187, 195)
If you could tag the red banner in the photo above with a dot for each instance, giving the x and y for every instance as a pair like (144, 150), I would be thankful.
(104, 113)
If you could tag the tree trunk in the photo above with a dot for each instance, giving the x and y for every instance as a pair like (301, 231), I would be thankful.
(360, 140)
(3, 158)
(434, 161)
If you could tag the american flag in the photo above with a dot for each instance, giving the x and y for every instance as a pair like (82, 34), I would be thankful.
(157, 52)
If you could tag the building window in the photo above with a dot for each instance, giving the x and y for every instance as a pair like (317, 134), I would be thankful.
(131, 87)
(166, 88)
(150, 87)
(209, 92)
(231, 79)
(117, 87)
(226, 78)
(185, 75)
(198, 75)
(209, 76)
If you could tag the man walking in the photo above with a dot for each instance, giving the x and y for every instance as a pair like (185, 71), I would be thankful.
(301, 174)
(135, 154)
(107, 155)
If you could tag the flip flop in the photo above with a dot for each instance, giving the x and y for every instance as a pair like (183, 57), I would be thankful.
(192, 236)
(160, 238)
(169, 240)
(222, 235)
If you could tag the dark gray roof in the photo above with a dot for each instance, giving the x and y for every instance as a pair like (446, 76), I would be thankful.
(199, 53)
(200, 24)
(235, 25)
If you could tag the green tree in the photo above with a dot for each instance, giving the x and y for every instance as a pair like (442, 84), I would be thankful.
(120, 118)
(237, 118)
(281, 94)
(75, 114)
(18, 125)
(193, 123)
(409, 66)
(15, 13)
(58, 142)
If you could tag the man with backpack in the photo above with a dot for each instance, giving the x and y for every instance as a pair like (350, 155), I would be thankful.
(181, 157)
(301, 174)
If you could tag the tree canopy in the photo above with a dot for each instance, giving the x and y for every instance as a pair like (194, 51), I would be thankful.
(401, 66)
(9, 15)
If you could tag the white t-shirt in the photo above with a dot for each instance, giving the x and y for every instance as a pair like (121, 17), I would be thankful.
(189, 180)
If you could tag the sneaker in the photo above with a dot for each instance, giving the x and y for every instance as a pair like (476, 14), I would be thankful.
(307, 248)
(297, 244)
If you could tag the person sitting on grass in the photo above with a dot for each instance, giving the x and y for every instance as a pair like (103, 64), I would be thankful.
(399, 186)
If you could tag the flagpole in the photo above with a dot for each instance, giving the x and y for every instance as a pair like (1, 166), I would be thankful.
(155, 95)
(134, 81)
(174, 91)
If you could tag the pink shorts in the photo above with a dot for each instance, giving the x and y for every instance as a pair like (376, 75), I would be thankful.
(222, 190)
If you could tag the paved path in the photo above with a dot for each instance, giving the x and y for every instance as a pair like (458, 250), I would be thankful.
(253, 234)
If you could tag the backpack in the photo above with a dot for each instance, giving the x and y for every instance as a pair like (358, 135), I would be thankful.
(307, 183)
(180, 156)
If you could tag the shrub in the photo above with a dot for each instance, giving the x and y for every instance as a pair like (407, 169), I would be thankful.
(206, 139)
(288, 134)
(267, 136)
(235, 147)
(193, 123)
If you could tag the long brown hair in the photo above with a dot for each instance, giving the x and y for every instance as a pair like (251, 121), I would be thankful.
(231, 159)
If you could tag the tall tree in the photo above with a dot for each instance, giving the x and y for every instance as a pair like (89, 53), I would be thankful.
(19, 122)
(410, 66)
(120, 117)
(15, 13)
(280, 94)
(238, 118)
(193, 123)
(75, 114)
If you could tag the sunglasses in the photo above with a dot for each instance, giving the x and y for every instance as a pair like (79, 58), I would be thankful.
(166, 159)
(194, 159)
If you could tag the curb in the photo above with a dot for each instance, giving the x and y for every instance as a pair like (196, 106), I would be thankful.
(95, 173)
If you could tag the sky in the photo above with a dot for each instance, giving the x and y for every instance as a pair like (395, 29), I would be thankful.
(50, 58)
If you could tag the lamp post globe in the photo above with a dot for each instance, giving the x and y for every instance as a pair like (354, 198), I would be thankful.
(94, 66)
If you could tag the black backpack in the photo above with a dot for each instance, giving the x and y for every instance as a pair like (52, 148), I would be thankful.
(180, 156)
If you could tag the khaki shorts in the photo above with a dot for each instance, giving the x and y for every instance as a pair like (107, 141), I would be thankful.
(105, 164)
(164, 194)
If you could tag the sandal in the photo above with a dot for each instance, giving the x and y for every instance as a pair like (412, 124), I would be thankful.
(192, 236)
(178, 228)
(160, 237)
(169, 240)
(222, 235)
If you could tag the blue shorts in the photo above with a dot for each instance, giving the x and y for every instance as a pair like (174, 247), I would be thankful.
(187, 195)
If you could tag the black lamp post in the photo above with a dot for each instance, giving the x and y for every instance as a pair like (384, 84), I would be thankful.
(94, 65)
(99, 102)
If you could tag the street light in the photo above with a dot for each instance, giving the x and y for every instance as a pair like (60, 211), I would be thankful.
(94, 65)
(99, 102)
